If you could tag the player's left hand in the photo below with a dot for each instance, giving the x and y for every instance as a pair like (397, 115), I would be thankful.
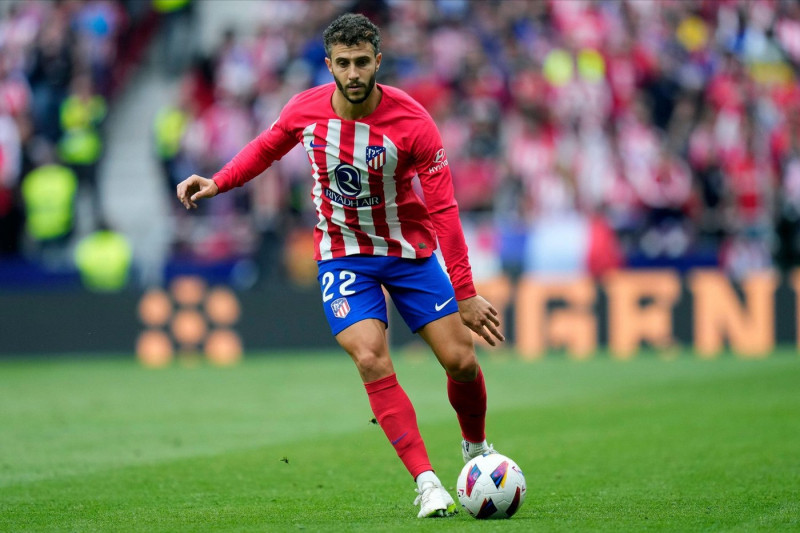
(481, 317)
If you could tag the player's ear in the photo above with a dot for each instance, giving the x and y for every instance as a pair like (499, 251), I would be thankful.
(378, 60)
(329, 64)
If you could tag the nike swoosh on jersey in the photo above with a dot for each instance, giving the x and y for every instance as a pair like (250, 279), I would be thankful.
(439, 307)
(323, 145)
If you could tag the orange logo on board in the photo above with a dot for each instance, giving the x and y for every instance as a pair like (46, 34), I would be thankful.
(189, 320)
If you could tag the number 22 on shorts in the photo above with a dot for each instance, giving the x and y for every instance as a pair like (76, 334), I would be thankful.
(346, 279)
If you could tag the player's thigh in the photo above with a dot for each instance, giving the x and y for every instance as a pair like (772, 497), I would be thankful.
(421, 291)
(451, 342)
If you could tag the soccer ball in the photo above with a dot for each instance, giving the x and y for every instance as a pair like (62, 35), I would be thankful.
(491, 486)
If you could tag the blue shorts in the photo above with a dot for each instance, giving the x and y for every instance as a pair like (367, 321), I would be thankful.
(351, 290)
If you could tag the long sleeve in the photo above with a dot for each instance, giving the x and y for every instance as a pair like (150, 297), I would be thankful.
(437, 186)
(255, 157)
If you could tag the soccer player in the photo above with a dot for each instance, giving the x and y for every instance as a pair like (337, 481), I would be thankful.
(366, 142)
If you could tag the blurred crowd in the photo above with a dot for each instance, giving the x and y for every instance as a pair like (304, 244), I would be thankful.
(61, 63)
(582, 135)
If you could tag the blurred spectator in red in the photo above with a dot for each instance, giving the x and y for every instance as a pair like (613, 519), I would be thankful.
(10, 166)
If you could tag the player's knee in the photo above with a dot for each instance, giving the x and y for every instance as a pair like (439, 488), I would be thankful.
(372, 364)
(462, 367)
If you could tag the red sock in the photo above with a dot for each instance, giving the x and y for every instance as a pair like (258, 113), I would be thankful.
(397, 419)
(469, 401)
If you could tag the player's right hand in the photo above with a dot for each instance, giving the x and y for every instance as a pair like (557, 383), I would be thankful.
(194, 188)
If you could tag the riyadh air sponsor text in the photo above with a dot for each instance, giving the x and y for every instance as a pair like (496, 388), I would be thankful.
(368, 201)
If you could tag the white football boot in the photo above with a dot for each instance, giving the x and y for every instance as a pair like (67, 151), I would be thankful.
(470, 450)
(434, 501)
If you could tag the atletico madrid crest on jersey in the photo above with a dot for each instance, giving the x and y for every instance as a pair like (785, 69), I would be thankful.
(376, 156)
(340, 307)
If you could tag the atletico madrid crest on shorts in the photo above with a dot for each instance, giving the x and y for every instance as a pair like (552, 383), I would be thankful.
(340, 307)
(376, 156)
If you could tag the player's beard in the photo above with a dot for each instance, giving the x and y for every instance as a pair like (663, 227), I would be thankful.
(367, 91)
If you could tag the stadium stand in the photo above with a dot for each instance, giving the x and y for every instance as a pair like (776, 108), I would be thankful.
(61, 65)
(659, 133)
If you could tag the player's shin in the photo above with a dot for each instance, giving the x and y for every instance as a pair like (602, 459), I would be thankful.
(395, 414)
(469, 401)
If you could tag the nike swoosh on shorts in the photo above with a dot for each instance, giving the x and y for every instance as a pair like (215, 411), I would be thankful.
(439, 307)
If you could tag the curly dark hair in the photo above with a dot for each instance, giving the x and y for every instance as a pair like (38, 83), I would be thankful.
(351, 29)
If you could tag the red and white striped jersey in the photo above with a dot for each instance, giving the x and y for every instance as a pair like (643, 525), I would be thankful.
(363, 171)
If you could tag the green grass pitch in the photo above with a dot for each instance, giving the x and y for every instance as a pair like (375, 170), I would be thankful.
(284, 442)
